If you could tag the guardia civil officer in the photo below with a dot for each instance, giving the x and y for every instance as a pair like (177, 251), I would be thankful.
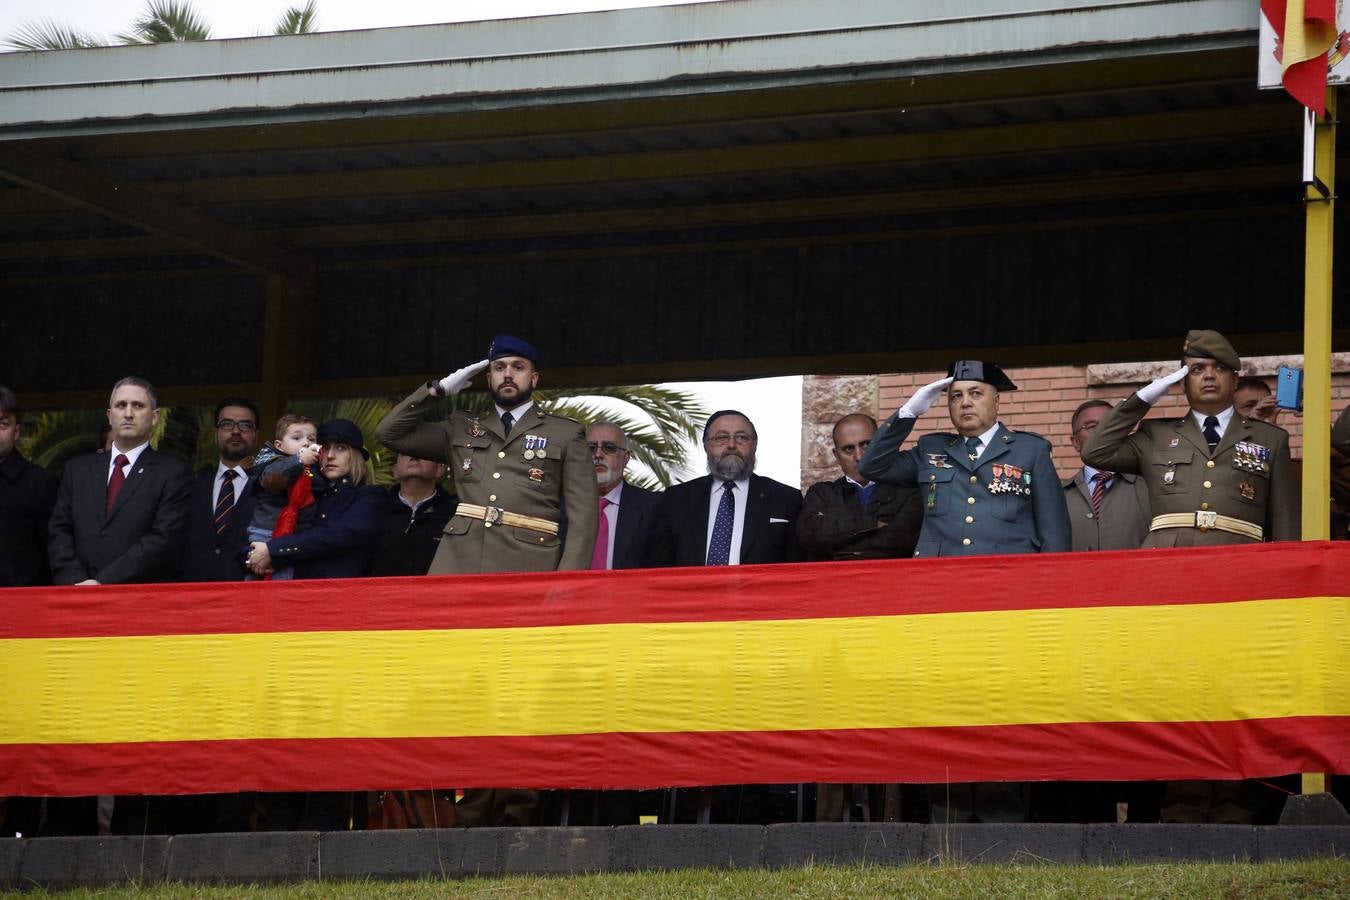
(985, 489)
(1214, 476)
(516, 470)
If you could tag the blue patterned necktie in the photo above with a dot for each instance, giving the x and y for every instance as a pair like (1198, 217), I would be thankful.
(719, 548)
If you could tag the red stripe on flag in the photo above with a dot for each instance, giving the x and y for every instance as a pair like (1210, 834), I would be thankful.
(1257, 748)
(735, 593)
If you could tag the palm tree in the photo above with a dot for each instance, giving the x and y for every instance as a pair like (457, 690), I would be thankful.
(162, 21)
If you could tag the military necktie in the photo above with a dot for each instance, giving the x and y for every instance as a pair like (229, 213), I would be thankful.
(719, 548)
(973, 448)
(115, 483)
(226, 500)
(1211, 432)
(600, 556)
(507, 421)
(1099, 483)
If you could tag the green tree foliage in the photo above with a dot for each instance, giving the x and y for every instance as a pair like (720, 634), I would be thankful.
(162, 21)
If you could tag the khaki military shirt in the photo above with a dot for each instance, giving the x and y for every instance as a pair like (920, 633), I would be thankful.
(1249, 475)
(542, 469)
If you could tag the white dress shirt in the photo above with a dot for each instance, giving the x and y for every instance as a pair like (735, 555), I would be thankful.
(132, 455)
(1224, 418)
(240, 479)
(742, 493)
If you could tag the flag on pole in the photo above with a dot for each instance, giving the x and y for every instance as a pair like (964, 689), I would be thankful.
(1305, 31)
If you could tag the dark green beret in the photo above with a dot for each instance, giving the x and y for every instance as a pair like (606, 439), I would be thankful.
(1211, 345)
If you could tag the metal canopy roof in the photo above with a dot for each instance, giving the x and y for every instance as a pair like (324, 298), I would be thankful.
(746, 187)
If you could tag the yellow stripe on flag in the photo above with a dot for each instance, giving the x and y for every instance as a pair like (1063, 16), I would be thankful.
(1199, 662)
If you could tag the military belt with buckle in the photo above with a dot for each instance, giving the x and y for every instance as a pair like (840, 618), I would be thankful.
(1207, 520)
(495, 515)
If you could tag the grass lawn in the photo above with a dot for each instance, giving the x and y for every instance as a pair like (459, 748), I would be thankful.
(1317, 878)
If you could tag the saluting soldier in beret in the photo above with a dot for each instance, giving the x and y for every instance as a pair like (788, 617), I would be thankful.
(516, 470)
(985, 489)
(1214, 476)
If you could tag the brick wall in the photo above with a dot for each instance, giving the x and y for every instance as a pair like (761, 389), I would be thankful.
(1044, 403)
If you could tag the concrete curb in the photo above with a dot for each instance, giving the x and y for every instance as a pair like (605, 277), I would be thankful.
(59, 863)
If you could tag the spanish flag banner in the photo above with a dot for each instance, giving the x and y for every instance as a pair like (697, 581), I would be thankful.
(1304, 31)
(1206, 663)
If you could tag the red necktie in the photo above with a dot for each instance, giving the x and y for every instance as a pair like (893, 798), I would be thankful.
(1099, 489)
(600, 557)
(116, 481)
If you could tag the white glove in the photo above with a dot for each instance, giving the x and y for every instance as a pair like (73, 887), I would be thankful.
(459, 379)
(924, 398)
(1155, 391)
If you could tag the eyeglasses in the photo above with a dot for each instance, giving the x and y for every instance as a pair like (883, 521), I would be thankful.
(609, 447)
(244, 425)
(722, 437)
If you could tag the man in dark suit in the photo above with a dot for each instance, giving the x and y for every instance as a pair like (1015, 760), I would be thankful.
(222, 499)
(729, 516)
(627, 511)
(27, 494)
(120, 516)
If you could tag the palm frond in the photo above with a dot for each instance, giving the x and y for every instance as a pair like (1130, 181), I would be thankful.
(299, 19)
(165, 21)
(49, 34)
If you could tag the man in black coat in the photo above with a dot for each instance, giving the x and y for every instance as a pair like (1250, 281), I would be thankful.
(27, 494)
(121, 516)
(222, 499)
(730, 516)
(627, 512)
(851, 517)
(418, 512)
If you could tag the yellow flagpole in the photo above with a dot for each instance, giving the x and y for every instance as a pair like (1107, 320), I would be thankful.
(1321, 208)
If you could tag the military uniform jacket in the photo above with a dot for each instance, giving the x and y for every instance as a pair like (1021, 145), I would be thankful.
(1249, 476)
(491, 469)
(1011, 501)
(1123, 524)
(1340, 432)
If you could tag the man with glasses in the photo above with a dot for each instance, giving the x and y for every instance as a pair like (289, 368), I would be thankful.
(730, 516)
(626, 510)
(222, 499)
(1108, 510)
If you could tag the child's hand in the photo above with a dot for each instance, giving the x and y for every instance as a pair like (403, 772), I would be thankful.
(310, 455)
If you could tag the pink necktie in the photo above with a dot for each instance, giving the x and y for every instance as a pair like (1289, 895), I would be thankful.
(601, 555)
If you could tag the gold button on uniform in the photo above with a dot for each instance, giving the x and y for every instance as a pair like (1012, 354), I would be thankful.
(932, 478)
(965, 541)
(1209, 484)
(1210, 464)
(492, 497)
(969, 519)
(499, 475)
(1204, 506)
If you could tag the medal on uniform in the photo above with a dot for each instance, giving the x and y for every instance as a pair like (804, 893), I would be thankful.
(1247, 490)
(528, 454)
(1174, 442)
(540, 447)
(536, 474)
(475, 428)
(939, 461)
(1169, 476)
(466, 465)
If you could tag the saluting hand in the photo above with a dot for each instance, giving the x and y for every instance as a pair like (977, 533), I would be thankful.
(459, 379)
(1157, 389)
(924, 398)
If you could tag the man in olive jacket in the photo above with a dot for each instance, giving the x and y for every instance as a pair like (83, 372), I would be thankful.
(515, 469)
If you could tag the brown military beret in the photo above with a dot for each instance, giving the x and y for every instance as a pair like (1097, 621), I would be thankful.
(1211, 345)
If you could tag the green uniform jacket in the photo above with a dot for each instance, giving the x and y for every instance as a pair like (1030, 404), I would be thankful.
(1010, 501)
(491, 470)
(1248, 477)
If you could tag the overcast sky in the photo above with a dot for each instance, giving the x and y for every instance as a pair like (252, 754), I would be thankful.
(774, 404)
(244, 18)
